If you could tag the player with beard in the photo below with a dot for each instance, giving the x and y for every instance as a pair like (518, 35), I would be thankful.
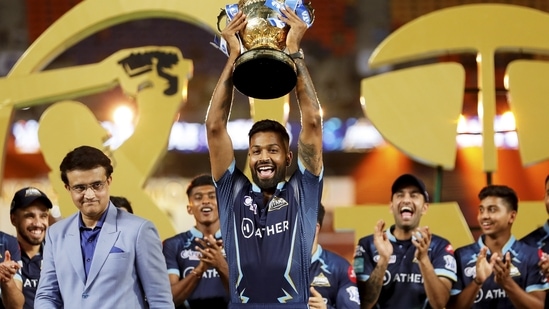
(196, 262)
(268, 226)
(405, 266)
(29, 214)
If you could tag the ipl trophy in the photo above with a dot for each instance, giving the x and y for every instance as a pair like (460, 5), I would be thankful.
(264, 70)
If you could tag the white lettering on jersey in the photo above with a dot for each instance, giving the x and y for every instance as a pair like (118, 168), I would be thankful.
(450, 263)
(208, 274)
(408, 278)
(490, 294)
(190, 255)
(353, 294)
(30, 283)
(248, 228)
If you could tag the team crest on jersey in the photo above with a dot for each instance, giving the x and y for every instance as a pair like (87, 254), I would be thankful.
(249, 202)
(514, 271)
(321, 280)
(277, 203)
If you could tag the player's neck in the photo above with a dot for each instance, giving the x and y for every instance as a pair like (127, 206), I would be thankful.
(208, 229)
(29, 249)
(402, 234)
(496, 242)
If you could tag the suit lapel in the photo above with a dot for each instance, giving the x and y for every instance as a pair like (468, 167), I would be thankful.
(73, 246)
(107, 238)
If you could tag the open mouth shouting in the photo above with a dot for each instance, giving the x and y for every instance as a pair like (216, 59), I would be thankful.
(265, 171)
(406, 213)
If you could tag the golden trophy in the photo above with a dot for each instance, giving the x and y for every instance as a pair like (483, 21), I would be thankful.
(264, 70)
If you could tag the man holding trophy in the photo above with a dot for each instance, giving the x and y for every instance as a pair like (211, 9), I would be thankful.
(268, 225)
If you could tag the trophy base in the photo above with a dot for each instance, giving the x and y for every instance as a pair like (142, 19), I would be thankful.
(264, 74)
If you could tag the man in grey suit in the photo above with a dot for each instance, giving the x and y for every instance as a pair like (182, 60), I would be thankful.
(100, 257)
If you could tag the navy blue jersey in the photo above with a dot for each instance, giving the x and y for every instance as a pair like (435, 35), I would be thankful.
(403, 282)
(182, 258)
(30, 273)
(539, 238)
(524, 271)
(334, 278)
(9, 243)
(269, 243)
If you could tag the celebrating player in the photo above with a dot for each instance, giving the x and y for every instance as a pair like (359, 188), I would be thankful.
(498, 271)
(405, 266)
(268, 226)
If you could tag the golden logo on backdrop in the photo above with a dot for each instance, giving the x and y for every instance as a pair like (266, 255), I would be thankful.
(417, 109)
(154, 77)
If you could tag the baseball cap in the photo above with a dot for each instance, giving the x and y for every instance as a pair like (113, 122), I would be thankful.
(409, 179)
(27, 196)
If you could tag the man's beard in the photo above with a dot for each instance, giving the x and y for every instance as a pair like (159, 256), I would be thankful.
(31, 240)
(266, 184)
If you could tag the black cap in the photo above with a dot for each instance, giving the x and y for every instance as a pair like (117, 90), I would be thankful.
(27, 196)
(409, 179)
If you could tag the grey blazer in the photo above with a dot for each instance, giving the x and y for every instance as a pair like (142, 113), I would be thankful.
(127, 266)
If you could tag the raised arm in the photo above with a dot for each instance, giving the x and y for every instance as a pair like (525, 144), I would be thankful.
(310, 138)
(219, 141)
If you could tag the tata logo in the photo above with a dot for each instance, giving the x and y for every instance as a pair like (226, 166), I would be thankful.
(436, 91)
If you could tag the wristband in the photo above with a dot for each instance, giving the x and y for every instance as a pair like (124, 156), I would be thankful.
(297, 55)
(477, 282)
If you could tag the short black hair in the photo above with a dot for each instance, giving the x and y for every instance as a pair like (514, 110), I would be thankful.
(320, 214)
(546, 179)
(199, 181)
(120, 201)
(84, 158)
(268, 125)
(501, 191)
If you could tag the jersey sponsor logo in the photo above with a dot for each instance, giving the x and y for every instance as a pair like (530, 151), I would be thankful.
(249, 230)
(190, 255)
(208, 274)
(450, 263)
(249, 202)
(351, 274)
(392, 259)
(490, 295)
(30, 283)
(277, 203)
(321, 280)
(402, 278)
(353, 294)
(358, 263)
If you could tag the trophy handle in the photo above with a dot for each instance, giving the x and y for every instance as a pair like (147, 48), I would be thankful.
(220, 17)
